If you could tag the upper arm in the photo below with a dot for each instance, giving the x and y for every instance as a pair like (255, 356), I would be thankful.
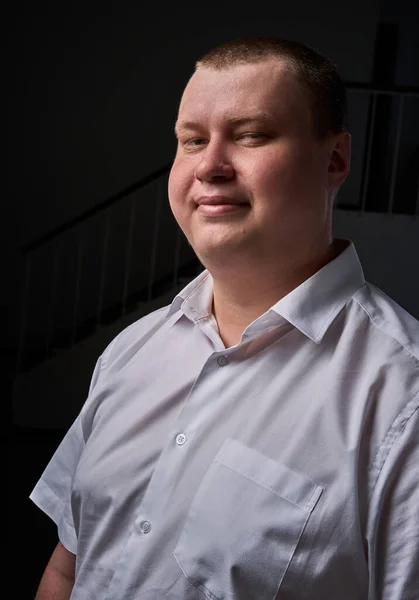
(393, 535)
(63, 561)
(58, 579)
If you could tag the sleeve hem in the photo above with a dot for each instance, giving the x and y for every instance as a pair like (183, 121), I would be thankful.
(47, 501)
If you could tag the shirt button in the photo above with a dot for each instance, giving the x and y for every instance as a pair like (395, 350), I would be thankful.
(180, 439)
(222, 361)
(146, 526)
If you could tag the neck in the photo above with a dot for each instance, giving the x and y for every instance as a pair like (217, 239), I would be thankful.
(241, 295)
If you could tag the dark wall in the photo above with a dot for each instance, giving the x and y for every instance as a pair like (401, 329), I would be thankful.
(92, 99)
(93, 94)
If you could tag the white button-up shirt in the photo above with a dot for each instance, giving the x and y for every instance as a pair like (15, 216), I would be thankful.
(285, 467)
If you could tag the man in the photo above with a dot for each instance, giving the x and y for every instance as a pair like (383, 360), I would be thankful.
(256, 439)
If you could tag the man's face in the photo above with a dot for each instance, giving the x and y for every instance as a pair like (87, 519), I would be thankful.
(274, 165)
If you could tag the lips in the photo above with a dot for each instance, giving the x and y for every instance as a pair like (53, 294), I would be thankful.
(221, 206)
(219, 200)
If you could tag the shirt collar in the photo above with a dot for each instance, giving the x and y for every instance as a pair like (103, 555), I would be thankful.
(311, 307)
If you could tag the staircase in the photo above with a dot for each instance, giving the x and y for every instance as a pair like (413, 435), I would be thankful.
(88, 279)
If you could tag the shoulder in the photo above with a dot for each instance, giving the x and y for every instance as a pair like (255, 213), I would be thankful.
(390, 354)
(388, 319)
(133, 337)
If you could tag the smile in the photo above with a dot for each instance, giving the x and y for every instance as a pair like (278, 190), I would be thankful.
(214, 210)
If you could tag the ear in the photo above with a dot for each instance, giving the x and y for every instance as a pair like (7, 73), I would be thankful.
(339, 160)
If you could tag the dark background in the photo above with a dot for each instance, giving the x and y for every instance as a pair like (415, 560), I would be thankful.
(69, 70)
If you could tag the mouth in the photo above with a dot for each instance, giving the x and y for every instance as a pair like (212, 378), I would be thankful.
(213, 210)
(220, 205)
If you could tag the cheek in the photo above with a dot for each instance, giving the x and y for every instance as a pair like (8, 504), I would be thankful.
(179, 179)
(290, 173)
(174, 187)
(178, 189)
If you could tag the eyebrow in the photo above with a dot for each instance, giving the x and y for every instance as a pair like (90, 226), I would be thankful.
(233, 120)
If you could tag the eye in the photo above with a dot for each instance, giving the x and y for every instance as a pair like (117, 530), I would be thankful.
(196, 142)
(253, 135)
(193, 142)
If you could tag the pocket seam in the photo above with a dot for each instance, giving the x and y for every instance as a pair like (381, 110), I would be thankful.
(306, 505)
(317, 491)
(202, 589)
(265, 486)
(309, 511)
(294, 486)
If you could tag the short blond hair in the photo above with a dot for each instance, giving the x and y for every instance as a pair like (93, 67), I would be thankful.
(316, 73)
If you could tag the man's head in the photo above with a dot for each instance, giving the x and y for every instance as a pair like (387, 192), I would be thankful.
(285, 167)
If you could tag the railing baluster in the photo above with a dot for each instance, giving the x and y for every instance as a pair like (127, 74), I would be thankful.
(400, 107)
(154, 242)
(128, 254)
(160, 177)
(370, 135)
(50, 316)
(23, 315)
(102, 271)
(78, 278)
(417, 200)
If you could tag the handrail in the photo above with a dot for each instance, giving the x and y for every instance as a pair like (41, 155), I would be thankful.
(396, 90)
(91, 212)
(98, 208)
(158, 280)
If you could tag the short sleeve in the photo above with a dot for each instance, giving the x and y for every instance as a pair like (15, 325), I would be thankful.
(393, 532)
(52, 493)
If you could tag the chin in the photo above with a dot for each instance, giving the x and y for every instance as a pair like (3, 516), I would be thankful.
(221, 250)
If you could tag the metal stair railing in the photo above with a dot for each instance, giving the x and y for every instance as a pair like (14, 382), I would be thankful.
(180, 264)
(390, 100)
(164, 256)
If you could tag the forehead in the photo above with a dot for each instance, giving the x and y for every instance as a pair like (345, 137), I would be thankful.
(265, 86)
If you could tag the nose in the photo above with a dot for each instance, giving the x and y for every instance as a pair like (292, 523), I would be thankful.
(214, 165)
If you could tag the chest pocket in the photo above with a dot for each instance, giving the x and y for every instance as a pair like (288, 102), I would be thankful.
(244, 524)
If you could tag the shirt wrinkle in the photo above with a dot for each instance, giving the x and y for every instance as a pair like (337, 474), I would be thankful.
(161, 519)
(385, 332)
(394, 431)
